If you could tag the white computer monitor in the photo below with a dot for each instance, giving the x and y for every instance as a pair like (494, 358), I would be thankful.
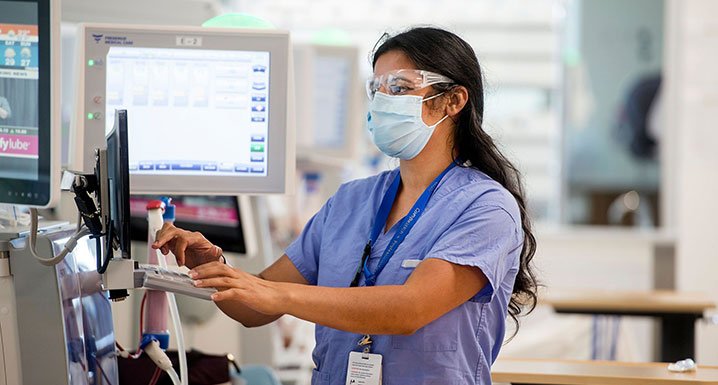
(207, 107)
(329, 92)
(29, 108)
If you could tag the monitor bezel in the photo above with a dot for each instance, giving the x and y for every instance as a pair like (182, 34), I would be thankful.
(118, 185)
(305, 56)
(43, 192)
(281, 143)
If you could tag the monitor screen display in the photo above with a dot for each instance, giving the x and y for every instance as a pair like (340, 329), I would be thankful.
(19, 64)
(329, 98)
(192, 93)
(207, 107)
(333, 76)
(29, 160)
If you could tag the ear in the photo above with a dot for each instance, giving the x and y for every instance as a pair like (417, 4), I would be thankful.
(458, 97)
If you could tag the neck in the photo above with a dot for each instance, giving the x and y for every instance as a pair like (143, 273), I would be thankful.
(418, 173)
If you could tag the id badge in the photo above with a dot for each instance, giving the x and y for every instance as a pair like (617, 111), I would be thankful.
(364, 369)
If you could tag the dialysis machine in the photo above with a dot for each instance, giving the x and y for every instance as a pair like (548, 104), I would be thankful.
(161, 110)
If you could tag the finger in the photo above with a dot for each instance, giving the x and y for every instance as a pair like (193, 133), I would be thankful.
(214, 269)
(166, 234)
(225, 295)
(219, 283)
(180, 246)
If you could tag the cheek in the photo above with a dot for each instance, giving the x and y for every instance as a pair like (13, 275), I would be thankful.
(431, 113)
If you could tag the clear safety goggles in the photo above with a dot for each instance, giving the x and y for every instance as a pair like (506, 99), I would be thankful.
(403, 81)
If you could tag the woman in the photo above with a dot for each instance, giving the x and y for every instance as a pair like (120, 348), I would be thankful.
(413, 269)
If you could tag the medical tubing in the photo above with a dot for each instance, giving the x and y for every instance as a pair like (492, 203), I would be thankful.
(174, 313)
(169, 216)
(160, 358)
(157, 355)
(173, 376)
(155, 321)
(67, 249)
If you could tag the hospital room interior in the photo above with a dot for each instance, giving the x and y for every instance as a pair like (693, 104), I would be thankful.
(144, 144)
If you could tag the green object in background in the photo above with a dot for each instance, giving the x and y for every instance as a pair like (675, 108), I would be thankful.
(331, 36)
(238, 20)
(257, 147)
(571, 57)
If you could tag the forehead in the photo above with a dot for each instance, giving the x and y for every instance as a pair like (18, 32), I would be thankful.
(391, 61)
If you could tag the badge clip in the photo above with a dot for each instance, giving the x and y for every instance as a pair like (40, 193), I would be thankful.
(366, 343)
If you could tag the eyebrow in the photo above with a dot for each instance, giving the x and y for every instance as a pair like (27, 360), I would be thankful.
(400, 77)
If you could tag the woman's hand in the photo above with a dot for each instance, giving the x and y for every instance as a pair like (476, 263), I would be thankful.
(190, 248)
(260, 295)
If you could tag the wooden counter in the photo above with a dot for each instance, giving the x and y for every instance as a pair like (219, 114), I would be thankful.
(570, 372)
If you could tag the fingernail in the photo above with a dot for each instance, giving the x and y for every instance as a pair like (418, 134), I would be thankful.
(214, 297)
(197, 282)
(192, 273)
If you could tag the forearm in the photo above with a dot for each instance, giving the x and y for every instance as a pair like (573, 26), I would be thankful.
(245, 315)
(363, 310)
(432, 290)
(283, 270)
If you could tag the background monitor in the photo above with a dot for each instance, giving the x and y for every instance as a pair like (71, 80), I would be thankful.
(218, 218)
(207, 107)
(329, 96)
(29, 97)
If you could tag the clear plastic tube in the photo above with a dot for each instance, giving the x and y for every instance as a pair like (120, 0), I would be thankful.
(173, 376)
(174, 314)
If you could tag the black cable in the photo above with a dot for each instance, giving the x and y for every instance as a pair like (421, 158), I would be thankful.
(98, 251)
(102, 267)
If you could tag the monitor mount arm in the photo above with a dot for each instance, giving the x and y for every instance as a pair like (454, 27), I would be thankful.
(93, 203)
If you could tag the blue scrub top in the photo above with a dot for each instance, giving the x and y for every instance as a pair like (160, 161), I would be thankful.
(470, 220)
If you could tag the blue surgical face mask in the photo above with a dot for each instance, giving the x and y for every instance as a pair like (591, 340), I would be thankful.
(396, 126)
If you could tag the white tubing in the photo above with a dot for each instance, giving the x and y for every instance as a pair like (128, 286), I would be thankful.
(174, 313)
(154, 219)
(67, 249)
(158, 356)
(173, 376)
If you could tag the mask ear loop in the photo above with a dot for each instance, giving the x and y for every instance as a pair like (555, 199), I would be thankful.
(433, 126)
(446, 91)
(440, 120)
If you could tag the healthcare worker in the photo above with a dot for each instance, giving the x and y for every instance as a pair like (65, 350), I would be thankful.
(409, 275)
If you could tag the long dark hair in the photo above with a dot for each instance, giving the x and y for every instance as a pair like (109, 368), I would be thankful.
(443, 52)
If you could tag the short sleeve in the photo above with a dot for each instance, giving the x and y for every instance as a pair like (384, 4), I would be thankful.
(483, 236)
(304, 251)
